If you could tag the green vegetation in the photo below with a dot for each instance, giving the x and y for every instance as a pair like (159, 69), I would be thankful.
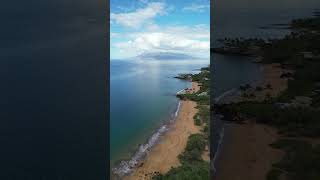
(301, 161)
(240, 46)
(304, 81)
(289, 121)
(205, 68)
(195, 146)
(193, 167)
(201, 99)
(203, 114)
(307, 23)
(204, 78)
(202, 118)
(262, 112)
(298, 51)
(242, 43)
(184, 76)
(198, 171)
(274, 174)
(303, 42)
(197, 120)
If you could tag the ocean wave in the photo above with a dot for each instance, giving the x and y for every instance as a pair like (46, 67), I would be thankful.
(216, 155)
(219, 130)
(126, 167)
(178, 108)
(225, 94)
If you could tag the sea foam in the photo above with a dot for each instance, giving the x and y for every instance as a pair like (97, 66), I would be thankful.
(126, 167)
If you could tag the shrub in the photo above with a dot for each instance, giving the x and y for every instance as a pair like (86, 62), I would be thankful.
(301, 161)
(197, 121)
(197, 171)
(192, 166)
(195, 146)
(274, 174)
(258, 88)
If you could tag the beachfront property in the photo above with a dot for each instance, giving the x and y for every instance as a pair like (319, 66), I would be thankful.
(309, 55)
(185, 91)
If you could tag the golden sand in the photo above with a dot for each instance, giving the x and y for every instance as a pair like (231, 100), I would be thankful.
(247, 152)
(165, 154)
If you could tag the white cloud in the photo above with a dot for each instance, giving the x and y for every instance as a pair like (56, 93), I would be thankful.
(194, 41)
(114, 35)
(196, 7)
(144, 1)
(199, 31)
(140, 16)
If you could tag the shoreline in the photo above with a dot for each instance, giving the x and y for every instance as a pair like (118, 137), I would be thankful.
(125, 167)
(164, 154)
(270, 84)
(246, 146)
(246, 151)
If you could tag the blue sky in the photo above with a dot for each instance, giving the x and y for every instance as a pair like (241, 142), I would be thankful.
(147, 26)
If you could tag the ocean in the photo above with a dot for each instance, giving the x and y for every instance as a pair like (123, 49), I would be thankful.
(53, 94)
(142, 102)
(247, 19)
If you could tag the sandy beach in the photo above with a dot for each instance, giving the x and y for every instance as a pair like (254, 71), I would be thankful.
(271, 76)
(165, 154)
(245, 150)
(271, 85)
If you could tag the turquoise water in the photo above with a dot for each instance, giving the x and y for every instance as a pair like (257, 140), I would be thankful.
(142, 100)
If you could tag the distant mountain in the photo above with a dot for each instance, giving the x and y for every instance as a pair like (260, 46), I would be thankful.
(164, 56)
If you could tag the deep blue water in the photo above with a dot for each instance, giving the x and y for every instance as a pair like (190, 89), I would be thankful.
(143, 99)
(53, 117)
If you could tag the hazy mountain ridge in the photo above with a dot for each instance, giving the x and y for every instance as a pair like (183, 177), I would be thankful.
(164, 56)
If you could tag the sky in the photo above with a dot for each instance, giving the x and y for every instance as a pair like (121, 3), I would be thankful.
(140, 27)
